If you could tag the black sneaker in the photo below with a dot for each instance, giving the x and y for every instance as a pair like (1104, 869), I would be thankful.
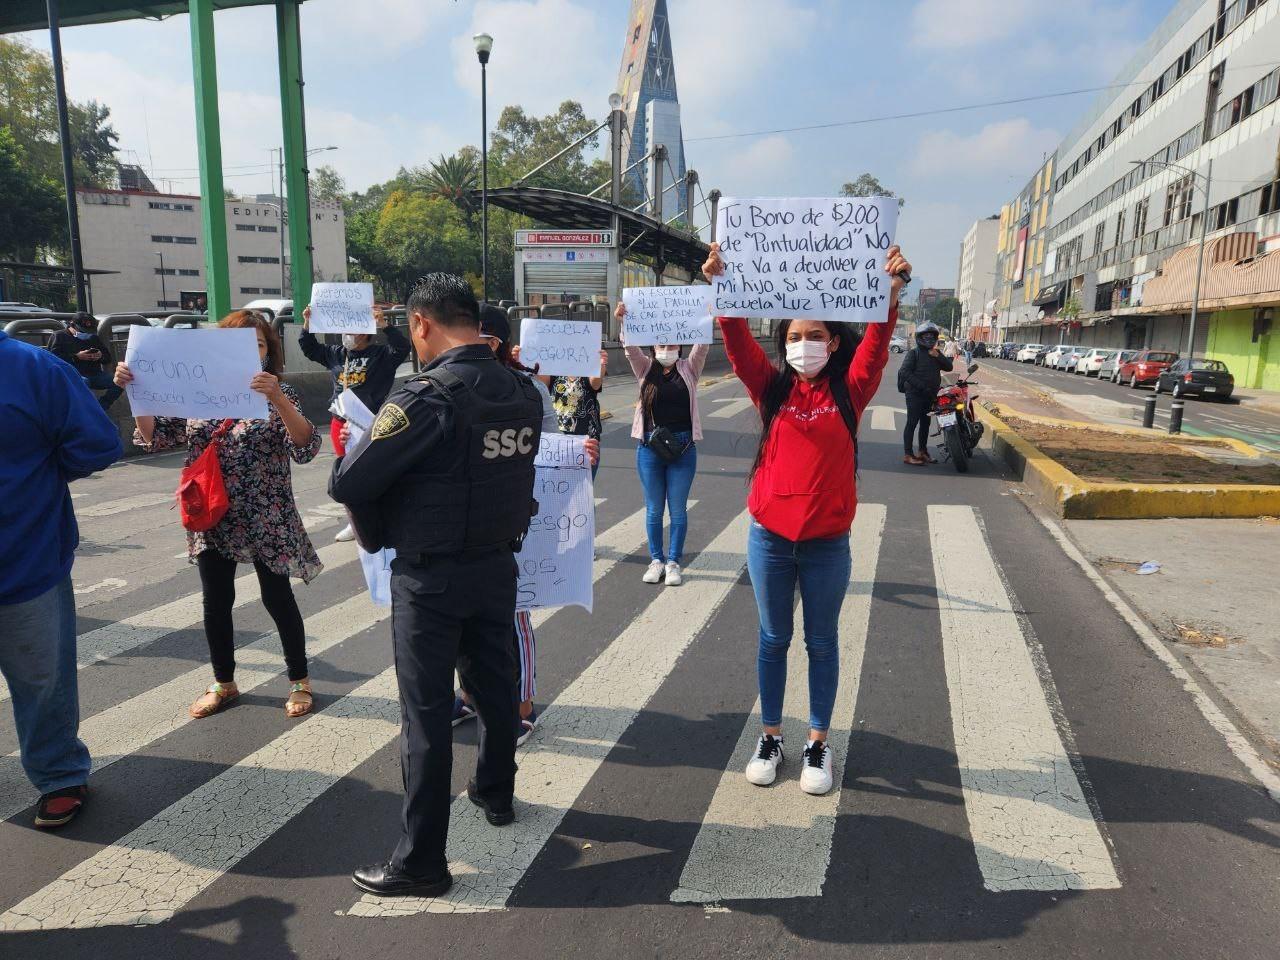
(60, 807)
(499, 813)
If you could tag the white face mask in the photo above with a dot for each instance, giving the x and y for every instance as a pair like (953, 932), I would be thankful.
(666, 355)
(808, 357)
(349, 341)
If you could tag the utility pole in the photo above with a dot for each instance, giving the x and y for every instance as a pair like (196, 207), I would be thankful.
(164, 287)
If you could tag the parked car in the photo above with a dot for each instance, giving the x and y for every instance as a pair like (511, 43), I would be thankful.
(1146, 367)
(1043, 352)
(1110, 369)
(898, 345)
(1196, 377)
(1027, 352)
(981, 350)
(16, 306)
(1091, 362)
(1055, 354)
(1071, 359)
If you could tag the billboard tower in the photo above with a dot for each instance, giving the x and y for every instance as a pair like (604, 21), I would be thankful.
(647, 85)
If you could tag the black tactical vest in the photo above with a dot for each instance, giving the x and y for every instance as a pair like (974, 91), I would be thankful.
(476, 491)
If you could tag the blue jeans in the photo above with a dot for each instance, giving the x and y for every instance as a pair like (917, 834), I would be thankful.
(821, 568)
(667, 484)
(102, 381)
(38, 660)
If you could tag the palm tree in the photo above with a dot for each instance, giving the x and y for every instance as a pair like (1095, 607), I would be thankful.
(453, 178)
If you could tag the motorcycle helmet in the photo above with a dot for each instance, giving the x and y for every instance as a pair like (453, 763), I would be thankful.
(927, 335)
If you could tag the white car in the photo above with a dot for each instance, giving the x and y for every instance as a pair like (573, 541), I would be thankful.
(898, 345)
(14, 306)
(1091, 362)
(1028, 353)
(1057, 355)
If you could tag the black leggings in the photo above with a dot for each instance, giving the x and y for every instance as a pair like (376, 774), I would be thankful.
(917, 422)
(218, 581)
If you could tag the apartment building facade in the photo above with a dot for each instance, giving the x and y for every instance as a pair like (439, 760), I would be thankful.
(153, 243)
(1023, 298)
(1201, 97)
(976, 278)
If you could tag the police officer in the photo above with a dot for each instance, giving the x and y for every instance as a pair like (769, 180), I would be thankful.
(445, 476)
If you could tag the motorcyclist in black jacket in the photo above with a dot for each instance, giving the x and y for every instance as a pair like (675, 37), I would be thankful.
(919, 378)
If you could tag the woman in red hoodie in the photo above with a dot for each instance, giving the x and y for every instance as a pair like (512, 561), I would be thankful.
(802, 500)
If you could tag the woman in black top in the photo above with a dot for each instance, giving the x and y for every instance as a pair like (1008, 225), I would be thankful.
(577, 404)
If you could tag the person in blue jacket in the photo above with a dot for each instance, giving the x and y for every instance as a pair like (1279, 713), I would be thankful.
(55, 432)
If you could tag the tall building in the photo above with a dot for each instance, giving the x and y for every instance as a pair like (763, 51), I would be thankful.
(154, 243)
(1023, 297)
(647, 85)
(976, 280)
(1130, 192)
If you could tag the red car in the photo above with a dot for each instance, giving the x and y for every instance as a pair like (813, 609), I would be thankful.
(1145, 367)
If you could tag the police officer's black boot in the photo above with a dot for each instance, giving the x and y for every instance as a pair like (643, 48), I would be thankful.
(498, 811)
(386, 880)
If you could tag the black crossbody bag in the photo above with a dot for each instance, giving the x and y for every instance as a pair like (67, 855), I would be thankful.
(664, 443)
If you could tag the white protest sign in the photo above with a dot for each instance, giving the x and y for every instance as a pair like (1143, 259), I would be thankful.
(342, 308)
(196, 374)
(352, 409)
(555, 561)
(667, 315)
(817, 258)
(561, 348)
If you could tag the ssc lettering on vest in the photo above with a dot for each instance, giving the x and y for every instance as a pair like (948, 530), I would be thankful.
(507, 443)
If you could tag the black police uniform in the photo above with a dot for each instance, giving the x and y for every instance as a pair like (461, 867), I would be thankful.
(445, 476)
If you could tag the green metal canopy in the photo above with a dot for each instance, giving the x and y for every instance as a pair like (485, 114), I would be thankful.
(16, 15)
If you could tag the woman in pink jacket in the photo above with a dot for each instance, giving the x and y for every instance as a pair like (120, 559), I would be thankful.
(668, 407)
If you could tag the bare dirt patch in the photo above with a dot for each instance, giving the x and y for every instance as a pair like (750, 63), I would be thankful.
(1134, 458)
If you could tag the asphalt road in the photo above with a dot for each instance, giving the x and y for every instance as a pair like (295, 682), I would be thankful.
(1201, 416)
(1013, 777)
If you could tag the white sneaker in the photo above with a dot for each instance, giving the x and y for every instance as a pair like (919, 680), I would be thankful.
(674, 576)
(345, 535)
(763, 768)
(654, 574)
(815, 775)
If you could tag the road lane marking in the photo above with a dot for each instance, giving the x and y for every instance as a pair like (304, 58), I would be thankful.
(758, 843)
(731, 407)
(107, 584)
(154, 871)
(882, 418)
(1029, 818)
(575, 736)
(132, 724)
(113, 639)
(110, 508)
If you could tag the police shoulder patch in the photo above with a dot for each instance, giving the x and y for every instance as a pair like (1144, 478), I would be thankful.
(391, 420)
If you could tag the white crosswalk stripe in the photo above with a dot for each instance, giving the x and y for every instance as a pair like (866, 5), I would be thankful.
(1029, 818)
(731, 408)
(750, 842)
(882, 418)
(113, 639)
(110, 508)
(133, 724)
(156, 869)
(575, 736)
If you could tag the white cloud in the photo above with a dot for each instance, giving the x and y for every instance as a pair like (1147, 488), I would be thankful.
(963, 23)
(544, 52)
(370, 29)
(765, 168)
(998, 149)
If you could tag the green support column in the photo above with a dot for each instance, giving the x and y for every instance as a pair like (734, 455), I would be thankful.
(289, 41)
(209, 144)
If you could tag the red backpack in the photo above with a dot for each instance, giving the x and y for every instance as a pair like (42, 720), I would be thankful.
(202, 496)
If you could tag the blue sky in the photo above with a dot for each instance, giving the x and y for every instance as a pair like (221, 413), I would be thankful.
(395, 82)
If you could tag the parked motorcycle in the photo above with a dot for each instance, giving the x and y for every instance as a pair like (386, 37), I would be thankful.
(953, 412)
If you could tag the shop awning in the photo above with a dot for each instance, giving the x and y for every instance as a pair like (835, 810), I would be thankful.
(1048, 295)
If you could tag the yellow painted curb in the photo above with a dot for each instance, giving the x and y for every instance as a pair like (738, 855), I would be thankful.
(1074, 498)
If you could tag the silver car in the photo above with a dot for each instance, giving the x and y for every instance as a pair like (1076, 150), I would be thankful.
(1110, 369)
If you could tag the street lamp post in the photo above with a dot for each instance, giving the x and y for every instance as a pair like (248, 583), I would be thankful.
(1196, 177)
(278, 153)
(484, 46)
(164, 287)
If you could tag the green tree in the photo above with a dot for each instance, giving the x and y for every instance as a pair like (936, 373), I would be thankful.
(452, 178)
(32, 213)
(521, 142)
(422, 234)
(327, 184)
(1071, 309)
(867, 185)
(944, 311)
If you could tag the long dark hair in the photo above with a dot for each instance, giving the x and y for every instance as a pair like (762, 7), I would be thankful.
(779, 388)
(505, 358)
(649, 386)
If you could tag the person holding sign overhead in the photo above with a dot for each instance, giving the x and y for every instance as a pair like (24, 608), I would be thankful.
(668, 428)
(802, 500)
(359, 364)
(261, 526)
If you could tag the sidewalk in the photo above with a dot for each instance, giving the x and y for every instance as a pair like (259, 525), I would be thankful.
(1209, 601)
(1268, 400)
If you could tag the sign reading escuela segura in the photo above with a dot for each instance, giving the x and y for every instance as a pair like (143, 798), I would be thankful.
(564, 238)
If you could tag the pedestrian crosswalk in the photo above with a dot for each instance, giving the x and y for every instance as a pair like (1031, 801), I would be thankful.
(1032, 822)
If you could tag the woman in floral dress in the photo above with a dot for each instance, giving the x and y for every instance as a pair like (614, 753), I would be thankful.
(261, 525)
